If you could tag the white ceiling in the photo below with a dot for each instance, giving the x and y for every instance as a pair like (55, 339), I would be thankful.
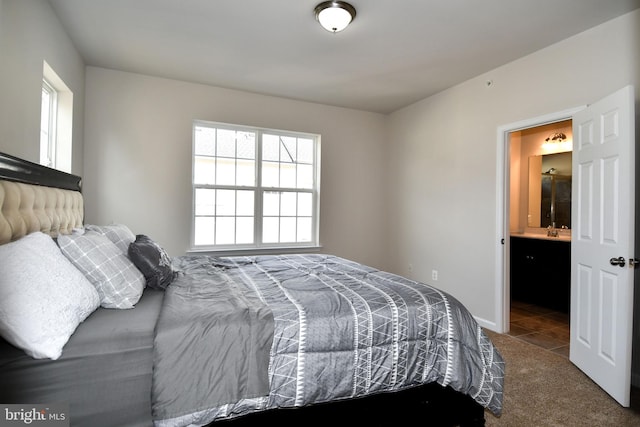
(393, 54)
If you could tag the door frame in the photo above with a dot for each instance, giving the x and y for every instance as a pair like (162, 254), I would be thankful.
(502, 290)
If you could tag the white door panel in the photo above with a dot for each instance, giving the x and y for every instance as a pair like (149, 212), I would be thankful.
(603, 215)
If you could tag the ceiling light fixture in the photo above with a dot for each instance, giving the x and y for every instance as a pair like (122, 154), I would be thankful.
(334, 16)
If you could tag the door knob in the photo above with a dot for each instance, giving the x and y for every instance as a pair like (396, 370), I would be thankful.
(617, 261)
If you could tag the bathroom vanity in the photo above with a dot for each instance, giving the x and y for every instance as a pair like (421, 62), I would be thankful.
(541, 270)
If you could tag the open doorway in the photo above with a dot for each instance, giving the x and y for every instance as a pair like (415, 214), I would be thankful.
(603, 212)
(540, 234)
(506, 173)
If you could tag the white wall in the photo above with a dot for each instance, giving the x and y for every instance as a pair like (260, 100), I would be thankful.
(444, 153)
(138, 158)
(31, 33)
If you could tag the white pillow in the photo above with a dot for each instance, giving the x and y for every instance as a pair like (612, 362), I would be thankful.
(117, 280)
(43, 297)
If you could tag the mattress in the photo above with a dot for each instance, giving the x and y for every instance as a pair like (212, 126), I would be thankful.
(104, 372)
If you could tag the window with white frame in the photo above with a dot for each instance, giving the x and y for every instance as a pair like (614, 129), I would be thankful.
(48, 125)
(254, 188)
(56, 121)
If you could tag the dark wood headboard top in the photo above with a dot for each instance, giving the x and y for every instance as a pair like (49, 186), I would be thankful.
(19, 170)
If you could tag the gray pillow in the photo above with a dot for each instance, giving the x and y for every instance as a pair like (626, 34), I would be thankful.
(153, 261)
(119, 234)
(118, 282)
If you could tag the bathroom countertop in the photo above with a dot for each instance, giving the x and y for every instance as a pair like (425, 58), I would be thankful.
(562, 236)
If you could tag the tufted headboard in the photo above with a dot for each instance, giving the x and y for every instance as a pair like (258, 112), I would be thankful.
(37, 198)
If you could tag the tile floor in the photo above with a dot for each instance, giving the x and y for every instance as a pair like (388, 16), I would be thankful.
(540, 326)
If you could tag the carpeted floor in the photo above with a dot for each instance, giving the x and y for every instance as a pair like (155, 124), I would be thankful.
(543, 388)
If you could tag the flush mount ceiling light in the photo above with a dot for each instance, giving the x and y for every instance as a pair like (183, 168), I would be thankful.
(334, 16)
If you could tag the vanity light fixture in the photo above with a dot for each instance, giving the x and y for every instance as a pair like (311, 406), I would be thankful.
(556, 137)
(556, 142)
(334, 16)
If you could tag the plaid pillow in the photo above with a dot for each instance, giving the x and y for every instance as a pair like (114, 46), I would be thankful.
(118, 282)
(119, 234)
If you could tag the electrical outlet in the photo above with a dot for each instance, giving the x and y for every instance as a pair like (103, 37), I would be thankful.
(410, 267)
(434, 275)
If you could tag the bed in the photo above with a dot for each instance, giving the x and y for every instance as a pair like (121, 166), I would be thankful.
(230, 340)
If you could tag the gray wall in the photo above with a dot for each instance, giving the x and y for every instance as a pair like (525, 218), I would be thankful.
(31, 33)
(445, 155)
(138, 158)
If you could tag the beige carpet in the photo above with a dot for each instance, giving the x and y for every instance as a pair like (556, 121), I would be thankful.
(543, 388)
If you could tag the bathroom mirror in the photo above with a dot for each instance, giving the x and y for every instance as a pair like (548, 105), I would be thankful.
(550, 190)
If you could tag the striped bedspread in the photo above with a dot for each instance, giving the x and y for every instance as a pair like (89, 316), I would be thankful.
(343, 329)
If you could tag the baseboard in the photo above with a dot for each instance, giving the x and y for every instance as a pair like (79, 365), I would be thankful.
(487, 324)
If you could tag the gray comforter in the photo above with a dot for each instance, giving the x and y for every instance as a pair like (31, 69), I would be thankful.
(243, 334)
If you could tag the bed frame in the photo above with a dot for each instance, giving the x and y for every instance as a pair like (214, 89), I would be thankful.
(429, 404)
(36, 198)
(19, 170)
(436, 405)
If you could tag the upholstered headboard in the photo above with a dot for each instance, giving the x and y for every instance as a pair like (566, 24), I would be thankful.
(37, 198)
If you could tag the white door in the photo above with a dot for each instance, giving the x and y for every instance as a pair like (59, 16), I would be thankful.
(602, 242)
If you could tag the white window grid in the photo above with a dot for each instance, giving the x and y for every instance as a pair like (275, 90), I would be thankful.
(261, 237)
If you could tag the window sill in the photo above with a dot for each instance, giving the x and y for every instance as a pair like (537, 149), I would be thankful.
(254, 251)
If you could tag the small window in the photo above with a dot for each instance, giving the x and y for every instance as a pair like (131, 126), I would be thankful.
(56, 122)
(254, 188)
(48, 125)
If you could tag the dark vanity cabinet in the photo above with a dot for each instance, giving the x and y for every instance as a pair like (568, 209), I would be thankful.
(541, 272)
